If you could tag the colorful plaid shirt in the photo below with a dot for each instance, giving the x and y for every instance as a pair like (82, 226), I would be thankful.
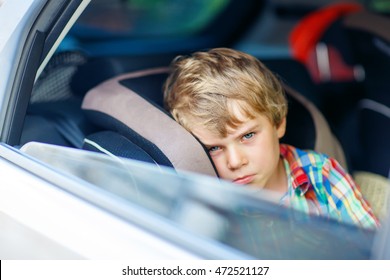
(317, 184)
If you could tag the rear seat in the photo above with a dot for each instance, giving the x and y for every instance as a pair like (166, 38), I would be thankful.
(69, 125)
(355, 50)
(54, 115)
(130, 105)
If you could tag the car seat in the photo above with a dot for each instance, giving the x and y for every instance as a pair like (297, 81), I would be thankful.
(353, 47)
(53, 114)
(129, 110)
(131, 106)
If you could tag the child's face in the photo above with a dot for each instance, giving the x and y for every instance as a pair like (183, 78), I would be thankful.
(249, 154)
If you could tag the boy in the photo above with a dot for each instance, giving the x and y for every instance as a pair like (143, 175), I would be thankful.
(237, 108)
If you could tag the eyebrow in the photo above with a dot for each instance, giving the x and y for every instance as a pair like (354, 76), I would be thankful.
(245, 130)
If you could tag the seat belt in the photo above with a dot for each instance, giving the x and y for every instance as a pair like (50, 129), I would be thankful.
(70, 131)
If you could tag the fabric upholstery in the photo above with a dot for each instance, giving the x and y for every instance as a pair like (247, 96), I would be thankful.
(180, 147)
(132, 104)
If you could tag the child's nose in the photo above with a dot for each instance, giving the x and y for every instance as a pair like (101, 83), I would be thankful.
(235, 158)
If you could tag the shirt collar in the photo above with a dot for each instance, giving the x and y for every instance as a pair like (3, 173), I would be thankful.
(300, 180)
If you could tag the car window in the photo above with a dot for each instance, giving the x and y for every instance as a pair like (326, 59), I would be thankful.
(250, 223)
(245, 220)
(381, 6)
(149, 18)
(159, 26)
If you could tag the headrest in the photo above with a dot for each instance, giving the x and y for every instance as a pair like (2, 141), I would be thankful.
(117, 98)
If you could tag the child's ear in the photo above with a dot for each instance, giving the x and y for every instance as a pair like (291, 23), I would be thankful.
(281, 130)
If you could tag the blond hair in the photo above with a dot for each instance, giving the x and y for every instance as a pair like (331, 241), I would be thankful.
(202, 88)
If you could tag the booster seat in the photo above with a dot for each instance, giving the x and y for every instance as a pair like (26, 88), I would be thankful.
(129, 110)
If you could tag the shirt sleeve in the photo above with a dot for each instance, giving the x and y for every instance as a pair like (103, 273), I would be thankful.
(346, 198)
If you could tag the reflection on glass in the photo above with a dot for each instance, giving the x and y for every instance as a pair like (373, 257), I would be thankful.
(242, 219)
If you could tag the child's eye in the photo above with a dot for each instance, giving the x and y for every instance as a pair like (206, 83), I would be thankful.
(214, 149)
(248, 135)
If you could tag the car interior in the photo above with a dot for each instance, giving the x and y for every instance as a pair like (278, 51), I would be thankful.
(102, 90)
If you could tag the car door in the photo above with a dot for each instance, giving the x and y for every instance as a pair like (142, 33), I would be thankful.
(28, 40)
(44, 212)
(62, 203)
(32, 217)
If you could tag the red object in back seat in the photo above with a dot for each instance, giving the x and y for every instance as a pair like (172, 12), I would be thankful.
(306, 34)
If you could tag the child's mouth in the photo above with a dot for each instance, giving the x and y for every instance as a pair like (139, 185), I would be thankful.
(244, 180)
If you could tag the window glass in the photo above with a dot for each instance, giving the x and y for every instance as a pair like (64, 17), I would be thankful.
(242, 219)
(381, 6)
(151, 17)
